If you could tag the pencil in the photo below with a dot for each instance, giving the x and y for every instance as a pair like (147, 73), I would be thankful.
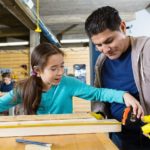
(33, 142)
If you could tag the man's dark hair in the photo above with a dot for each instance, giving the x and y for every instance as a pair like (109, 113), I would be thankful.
(6, 74)
(101, 19)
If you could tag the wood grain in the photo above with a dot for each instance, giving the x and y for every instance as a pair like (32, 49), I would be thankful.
(98, 141)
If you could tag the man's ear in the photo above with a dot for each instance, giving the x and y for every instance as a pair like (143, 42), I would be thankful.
(123, 26)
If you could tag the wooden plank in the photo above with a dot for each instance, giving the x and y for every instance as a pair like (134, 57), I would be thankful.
(45, 117)
(53, 125)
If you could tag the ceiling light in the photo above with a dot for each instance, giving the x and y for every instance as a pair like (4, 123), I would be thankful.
(67, 41)
(14, 43)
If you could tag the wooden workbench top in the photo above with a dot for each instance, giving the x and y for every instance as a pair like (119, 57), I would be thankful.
(98, 141)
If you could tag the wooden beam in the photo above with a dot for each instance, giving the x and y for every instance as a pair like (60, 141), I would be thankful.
(15, 32)
(55, 125)
(14, 9)
(10, 21)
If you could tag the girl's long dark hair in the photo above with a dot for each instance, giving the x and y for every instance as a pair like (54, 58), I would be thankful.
(30, 89)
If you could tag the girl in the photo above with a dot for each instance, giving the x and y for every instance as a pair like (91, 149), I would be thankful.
(48, 91)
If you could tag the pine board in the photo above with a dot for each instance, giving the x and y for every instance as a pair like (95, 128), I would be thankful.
(55, 125)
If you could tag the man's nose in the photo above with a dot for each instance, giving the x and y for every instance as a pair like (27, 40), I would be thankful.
(105, 48)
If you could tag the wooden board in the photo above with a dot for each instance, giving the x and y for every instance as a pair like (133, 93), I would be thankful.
(55, 125)
(45, 117)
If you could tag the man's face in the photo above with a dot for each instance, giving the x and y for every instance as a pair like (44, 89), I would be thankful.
(111, 43)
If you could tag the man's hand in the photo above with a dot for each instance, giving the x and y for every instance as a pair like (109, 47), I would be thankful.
(131, 101)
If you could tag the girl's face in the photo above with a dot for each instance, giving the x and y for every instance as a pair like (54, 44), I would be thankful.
(53, 71)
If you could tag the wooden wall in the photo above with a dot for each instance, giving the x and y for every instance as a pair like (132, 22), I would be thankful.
(78, 55)
(14, 59)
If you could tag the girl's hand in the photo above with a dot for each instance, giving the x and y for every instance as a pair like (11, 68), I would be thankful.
(1, 94)
(131, 101)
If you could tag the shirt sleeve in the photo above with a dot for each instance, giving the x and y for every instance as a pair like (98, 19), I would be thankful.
(7, 101)
(82, 90)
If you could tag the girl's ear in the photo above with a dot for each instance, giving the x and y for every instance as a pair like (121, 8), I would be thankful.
(37, 70)
(123, 26)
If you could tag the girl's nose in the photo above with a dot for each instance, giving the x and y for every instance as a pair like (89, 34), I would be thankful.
(60, 71)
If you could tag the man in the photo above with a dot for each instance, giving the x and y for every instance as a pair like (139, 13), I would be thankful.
(123, 64)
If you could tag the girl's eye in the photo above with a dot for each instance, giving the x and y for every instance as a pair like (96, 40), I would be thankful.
(53, 69)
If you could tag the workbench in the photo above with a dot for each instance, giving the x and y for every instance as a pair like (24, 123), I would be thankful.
(63, 131)
(96, 141)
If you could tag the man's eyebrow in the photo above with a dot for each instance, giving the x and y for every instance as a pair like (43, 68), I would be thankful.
(101, 43)
(109, 38)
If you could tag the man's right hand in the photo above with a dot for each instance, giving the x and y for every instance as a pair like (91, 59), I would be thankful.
(131, 101)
